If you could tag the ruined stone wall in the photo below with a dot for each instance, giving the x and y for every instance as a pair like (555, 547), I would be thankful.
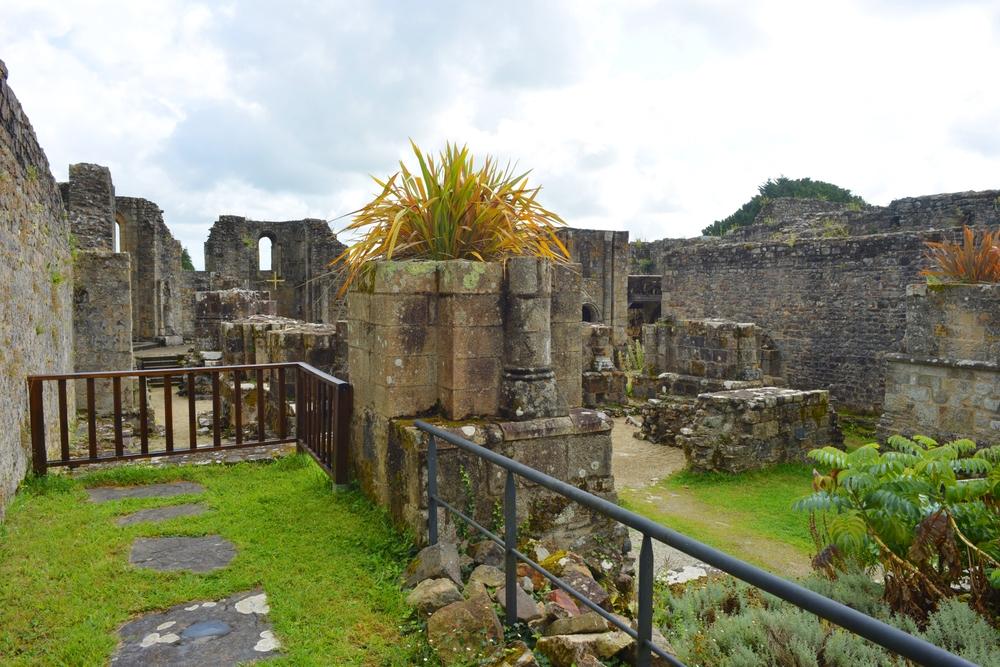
(102, 322)
(832, 307)
(748, 429)
(163, 295)
(213, 308)
(785, 218)
(36, 272)
(604, 260)
(300, 254)
(90, 201)
(716, 349)
(946, 383)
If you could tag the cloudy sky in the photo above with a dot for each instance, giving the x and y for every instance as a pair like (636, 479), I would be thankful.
(656, 117)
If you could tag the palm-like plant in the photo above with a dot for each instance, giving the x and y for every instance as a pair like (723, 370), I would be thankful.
(968, 262)
(451, 209)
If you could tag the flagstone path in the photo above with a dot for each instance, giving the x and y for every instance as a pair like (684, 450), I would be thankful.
(231, 631)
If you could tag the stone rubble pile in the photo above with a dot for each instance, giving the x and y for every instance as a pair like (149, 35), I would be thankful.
(463, 597)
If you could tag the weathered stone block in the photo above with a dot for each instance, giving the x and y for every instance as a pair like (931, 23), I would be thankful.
(459, 276)
(405, 277)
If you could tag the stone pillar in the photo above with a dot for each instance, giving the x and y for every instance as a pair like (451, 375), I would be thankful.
(529, 389)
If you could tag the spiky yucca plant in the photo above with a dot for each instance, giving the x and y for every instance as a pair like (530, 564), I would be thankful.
(968, 262)
(451, 209)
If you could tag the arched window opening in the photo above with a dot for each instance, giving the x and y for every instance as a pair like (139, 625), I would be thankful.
(264, 254)
(117, 231)
(590, 313)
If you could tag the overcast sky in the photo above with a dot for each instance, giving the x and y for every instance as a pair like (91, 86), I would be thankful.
(653, 117)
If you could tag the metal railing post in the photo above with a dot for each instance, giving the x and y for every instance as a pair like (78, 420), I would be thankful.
(38, 454)
(644, 619)
(510, 545)
(432, 490)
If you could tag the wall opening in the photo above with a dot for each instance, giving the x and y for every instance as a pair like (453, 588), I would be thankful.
(264, 247)
(117, 233)
(590, 313)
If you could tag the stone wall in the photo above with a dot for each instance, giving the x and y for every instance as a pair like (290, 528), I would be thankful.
(90, 201)
(946, 383)
(36, 272)
(831, 307)
(211, 309)
(102, 323)
(717, 349)
(244, 341)
(603, 257)
(430, 334)
(786, 218)
(747, 429)
(162, 291)
(300, 280)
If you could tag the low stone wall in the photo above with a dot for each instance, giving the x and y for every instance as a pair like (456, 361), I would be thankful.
(943, 399)
(709, 348)
(577, 449)
(665, 418)
(213, 308)
(746, 429)
(601, 388)
(244, 341)
(676, 384)
(323, 346)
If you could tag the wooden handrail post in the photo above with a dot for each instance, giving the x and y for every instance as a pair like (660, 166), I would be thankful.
(345, 407)
(38, 454)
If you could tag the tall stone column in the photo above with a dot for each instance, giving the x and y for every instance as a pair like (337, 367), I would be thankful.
(529, 388)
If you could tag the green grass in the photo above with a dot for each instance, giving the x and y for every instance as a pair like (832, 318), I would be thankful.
(762, 498)
(329, 563)
(748, 515)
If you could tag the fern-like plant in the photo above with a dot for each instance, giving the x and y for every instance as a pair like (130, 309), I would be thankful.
(928, 514)
(968, 262)
(450, 208)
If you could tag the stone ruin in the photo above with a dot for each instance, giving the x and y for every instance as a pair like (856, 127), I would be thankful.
(711, 400)
(495, 357)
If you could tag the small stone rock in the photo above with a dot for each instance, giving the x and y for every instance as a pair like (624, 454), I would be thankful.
(432, 594)
(487, 552)
(434, 562)
(488, 576)
(462, 632)
(474, 588)
(527, 608)
(515, 654)
(563, 601)
(573, 563)
(578, 625)
(569, 650)
(527, 584)
(587, 587)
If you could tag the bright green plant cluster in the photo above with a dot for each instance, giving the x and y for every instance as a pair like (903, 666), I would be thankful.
(632, 360)
(927, 513)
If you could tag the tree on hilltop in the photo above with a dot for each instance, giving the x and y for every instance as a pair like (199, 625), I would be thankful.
(799, 188)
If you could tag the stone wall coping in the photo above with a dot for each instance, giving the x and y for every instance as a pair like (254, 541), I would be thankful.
(921, 289)
(964, 364)
(764, 396)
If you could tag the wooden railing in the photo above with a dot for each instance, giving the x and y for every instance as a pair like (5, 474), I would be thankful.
(321, 403)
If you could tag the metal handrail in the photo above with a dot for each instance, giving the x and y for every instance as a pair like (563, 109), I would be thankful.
(886, 636)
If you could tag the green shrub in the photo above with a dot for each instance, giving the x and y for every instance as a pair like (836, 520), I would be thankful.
(925, 513)
(725, 623)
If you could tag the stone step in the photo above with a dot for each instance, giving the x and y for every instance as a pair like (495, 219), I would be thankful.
(100, 494)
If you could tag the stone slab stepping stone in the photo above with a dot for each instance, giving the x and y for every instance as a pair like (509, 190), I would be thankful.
(162, 513)
(100, 494)
(195, 554)
(224, 632)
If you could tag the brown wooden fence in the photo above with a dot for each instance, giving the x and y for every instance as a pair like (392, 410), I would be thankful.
(320, 403)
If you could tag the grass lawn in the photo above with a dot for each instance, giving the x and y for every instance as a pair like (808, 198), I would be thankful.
(748, 515)
(329, 563)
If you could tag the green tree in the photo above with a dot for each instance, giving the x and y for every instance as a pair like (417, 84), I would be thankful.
(800, 188)
(186, 262)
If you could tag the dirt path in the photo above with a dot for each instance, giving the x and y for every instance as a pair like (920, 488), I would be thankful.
(638, 466)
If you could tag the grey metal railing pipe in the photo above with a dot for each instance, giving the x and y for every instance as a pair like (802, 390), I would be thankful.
(887, 636)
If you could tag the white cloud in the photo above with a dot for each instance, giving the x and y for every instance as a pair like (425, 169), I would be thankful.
(658, 118)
